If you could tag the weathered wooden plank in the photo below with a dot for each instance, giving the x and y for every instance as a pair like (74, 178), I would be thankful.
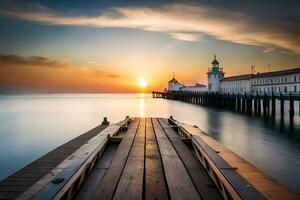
(106, 188)
(243, 188)
(179, 182)
(16, 188)
(67, 169)
(97, 173)
(155, 184)
(7, 195)
(72, 168)
(26, 174)
(130, 185)
(218, 168)
(200, 178)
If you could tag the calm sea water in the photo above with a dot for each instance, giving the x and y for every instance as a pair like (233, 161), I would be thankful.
(32, 125)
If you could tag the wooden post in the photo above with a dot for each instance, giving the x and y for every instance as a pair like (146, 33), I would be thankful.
(238, 107)
(281, 107)
(250, 105)
(255, 106)
(243, 104)
(292, 111)
(258, 106)
(268, 105)
(234, 103)
(264, 105)
(105, 121)
(273, 106)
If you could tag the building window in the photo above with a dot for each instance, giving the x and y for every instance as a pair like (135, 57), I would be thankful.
(285, 79)
(295, 78)
(295, 88)
(285, 89)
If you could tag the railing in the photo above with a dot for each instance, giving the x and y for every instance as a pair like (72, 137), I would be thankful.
(65, 180)
(230, 184)
(233, 94)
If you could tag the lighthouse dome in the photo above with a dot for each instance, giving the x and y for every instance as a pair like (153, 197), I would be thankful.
(215, 61)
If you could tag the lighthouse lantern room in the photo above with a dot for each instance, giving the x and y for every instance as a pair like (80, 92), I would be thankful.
(215, 74)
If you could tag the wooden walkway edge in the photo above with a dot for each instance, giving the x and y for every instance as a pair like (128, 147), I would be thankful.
(14, 185)
(270, 188)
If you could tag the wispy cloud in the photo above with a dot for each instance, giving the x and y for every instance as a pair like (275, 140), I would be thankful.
(102, 73)
(14, 61)
(42, 74)
(8, 60)
(268, 50)
(181, 21)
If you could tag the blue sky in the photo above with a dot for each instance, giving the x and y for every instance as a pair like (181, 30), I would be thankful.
(134, 40)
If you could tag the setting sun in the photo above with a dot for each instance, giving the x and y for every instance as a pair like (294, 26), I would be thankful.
(142, 83)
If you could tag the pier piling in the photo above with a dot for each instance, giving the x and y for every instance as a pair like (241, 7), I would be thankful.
(256, 103)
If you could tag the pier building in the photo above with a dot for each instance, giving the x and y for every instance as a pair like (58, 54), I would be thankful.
(174, 85)
(284, 81)
(215, 74)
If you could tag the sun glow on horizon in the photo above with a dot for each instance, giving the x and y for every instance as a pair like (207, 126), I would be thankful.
(142, 83)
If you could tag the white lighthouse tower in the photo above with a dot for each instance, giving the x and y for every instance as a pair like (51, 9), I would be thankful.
(215, 74)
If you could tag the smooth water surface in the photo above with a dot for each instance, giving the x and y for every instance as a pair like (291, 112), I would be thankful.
(32, 125)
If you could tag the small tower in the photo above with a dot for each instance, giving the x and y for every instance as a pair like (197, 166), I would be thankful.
(174, 85)
(215, 74)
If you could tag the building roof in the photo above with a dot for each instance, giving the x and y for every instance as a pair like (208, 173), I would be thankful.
(215, 61)
(238, 78)
(259, 75)
(199, 85)
(277, 73)
(173, 80)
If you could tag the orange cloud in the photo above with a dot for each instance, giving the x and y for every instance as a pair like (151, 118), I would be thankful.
(41, 74)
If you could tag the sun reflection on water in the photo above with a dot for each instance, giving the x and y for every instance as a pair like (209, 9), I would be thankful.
(142, 105)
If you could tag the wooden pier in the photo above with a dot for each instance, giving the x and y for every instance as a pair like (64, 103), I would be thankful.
(142, 158)
(252, 104)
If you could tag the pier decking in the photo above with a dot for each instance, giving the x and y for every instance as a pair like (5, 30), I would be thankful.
(138, 158)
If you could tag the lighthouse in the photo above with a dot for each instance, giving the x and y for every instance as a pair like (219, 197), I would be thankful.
(215, 74)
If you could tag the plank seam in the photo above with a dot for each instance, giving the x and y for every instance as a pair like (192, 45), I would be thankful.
(159, 122)
(115, 189)
(144, 173)
(163, 168)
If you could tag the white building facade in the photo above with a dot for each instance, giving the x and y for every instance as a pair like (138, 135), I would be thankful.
(174, 85)
(215, 74)
(196, 88)
(236, 84)
(284, 81)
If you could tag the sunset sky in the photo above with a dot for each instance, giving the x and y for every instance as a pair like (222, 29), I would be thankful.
(112, 46)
